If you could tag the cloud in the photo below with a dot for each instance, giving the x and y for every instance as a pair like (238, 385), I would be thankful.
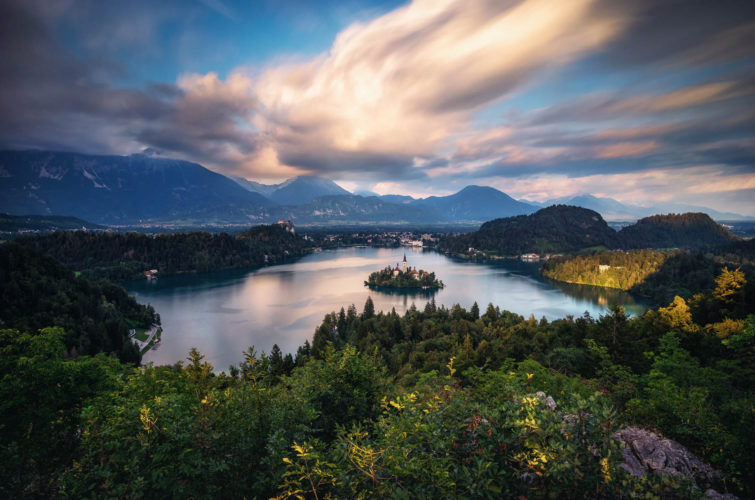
(63, 102)
(399, 86)
(425, 98)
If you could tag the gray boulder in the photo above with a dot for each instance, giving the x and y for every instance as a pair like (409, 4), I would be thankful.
(646, 452)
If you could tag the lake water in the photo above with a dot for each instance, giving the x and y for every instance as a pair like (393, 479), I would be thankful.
(223, 313)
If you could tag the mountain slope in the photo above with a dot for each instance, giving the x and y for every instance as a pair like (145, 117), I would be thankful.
(559, 228)
(305, 188)
(254, 187)
(475, 203)
(120, 189)
(690, 230)
(42, 223)
(354, 209)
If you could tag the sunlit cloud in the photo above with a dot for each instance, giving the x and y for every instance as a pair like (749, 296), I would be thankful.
(539, 98)
(399, 86)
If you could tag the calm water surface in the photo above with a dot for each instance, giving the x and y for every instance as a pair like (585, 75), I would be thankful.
(223, 313)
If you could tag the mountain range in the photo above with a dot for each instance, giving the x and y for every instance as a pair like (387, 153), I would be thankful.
(147, 190)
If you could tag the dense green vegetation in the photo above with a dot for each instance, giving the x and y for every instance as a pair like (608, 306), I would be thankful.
(124, 256)
(36, 292)
(559, 228)
(433, 403)
(616, 269)
(657, 275)
(567, 229)
(690, 230)
(389, 278)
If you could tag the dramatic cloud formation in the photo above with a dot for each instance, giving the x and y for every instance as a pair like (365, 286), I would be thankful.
(640, 100)
(400, 86)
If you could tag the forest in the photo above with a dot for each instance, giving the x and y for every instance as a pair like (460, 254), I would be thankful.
(568, 229)
(125, 256)
(435, 403)
(36, 291)
(658, 276)
(616, 269)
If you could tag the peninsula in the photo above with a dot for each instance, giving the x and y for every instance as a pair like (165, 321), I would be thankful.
(403, 277)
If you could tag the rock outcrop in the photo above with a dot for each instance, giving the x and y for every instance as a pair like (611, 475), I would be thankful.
(646, 452)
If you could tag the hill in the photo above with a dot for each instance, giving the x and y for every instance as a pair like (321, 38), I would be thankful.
(559, 228)
(334, 210)
(690, 230)
(124, 256)
(42, 223)
(36, 291)
(474, 203)
(121, 189)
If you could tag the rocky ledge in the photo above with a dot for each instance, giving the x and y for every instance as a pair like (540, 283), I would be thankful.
(646, 452)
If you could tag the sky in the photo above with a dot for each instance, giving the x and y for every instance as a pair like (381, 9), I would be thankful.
(644, 101)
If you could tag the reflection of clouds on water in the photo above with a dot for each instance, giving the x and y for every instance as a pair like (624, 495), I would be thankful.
(294, 305)
(331, 264)
(285, 304)
(219, 309)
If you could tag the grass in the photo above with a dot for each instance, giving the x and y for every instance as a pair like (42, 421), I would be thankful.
(141, 334)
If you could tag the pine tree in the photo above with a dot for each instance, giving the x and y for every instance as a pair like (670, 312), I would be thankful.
(369, 309)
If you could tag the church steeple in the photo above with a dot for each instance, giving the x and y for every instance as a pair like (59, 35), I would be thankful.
(404, 264)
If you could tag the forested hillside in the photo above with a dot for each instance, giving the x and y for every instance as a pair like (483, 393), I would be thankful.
(690, 230)
(657, 275)
(569, 229)
(124, 256)
(559, 228)
(616, 269)
(435, 403)
(37, 292)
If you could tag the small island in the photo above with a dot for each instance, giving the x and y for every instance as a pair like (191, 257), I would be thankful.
(403, 277)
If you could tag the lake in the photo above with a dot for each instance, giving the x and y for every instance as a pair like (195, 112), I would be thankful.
(223, 313)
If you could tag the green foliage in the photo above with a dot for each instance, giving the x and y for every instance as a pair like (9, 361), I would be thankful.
(657, 275)
(36, 292)
(42, 394)
(436, 403)
(689, 230)
(617, 269)
(124, 256)
(559, 228)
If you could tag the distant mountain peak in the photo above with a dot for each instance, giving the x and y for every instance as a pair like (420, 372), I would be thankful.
(305, 188)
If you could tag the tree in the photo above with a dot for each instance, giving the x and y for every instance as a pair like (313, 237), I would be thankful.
(475, 311)
(369, 309)
(729, 291)
(677, 314)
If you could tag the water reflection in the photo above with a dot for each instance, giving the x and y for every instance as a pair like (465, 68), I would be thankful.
(224, 313)
(602, 296)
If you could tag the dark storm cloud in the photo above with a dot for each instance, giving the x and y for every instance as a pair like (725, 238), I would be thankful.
(683, 32)
(50, 98)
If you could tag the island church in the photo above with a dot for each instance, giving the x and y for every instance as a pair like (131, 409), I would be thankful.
(404, 269)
